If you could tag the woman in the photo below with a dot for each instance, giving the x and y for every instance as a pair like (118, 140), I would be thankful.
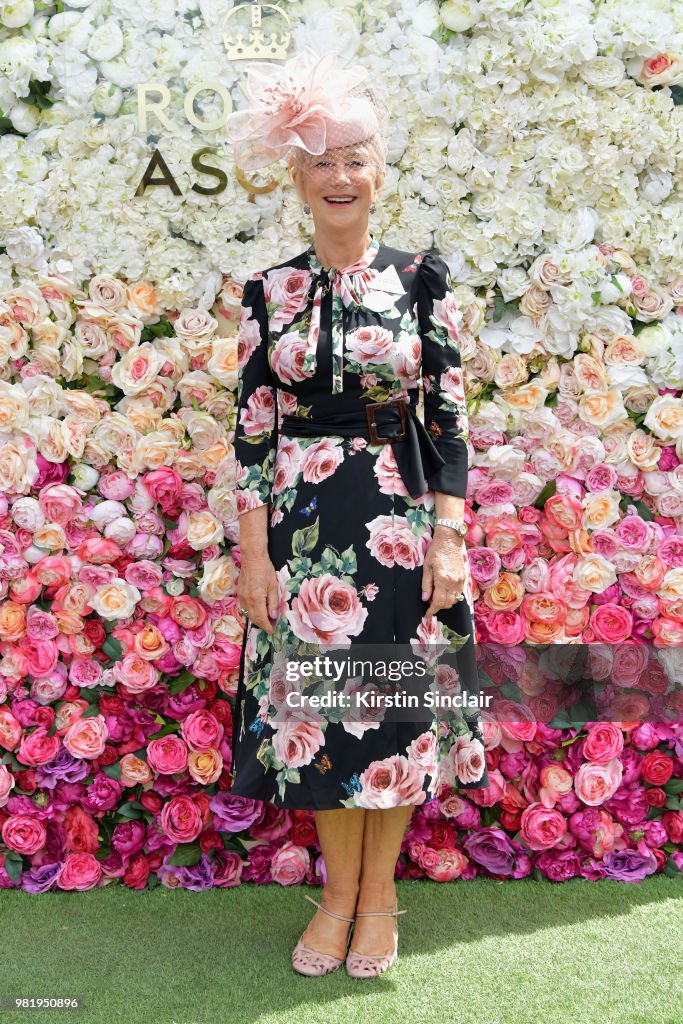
(351, 515)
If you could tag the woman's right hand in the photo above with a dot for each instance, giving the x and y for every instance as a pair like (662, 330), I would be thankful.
(257, 590)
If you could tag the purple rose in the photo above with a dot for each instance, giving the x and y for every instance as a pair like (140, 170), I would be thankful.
(492, 849)
(40, 879)
(197, 876)
(629, 865)
(235, 813)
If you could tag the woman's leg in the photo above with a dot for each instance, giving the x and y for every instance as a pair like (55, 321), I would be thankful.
(382, 839)
(340, 834)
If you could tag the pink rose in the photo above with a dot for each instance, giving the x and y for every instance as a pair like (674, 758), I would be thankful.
(259, 415)
(392, 541)
(596, 783)
(180, 819)
(516, 720)
(556, 781)
(287, 289)
(37, 747)
(295, 742)
(202, 730)
(611, 623)
(60, 503)
(24, 834)
(467, 759)
(630, 661)
(290, 864)
(167, 755)
(423, 751)
(136, 673)
(542, 827)
(604, 741)
(450, 865)
(326, 610)
(489, 795)
(86, 737)
(406, 358)
(80, 871)
(387, 473)
(249, 336)
(391, 782)
(452, 384)
(287, 465)
(370, 344)
(41, 655)
(321, 459)
(288, 360)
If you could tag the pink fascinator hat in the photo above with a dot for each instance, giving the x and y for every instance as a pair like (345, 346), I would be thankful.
(307, 102)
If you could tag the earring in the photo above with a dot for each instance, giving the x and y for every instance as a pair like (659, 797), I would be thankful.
(373, 207)
(307, 209)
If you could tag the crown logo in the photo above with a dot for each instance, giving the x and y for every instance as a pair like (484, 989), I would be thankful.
(245, 37)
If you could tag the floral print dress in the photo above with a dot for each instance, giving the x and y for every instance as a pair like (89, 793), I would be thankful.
(345, 536)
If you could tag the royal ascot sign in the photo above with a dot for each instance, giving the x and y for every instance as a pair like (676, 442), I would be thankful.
(250, 32)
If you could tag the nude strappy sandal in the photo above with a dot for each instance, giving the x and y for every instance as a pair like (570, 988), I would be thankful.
(370, 965)
(312, 962)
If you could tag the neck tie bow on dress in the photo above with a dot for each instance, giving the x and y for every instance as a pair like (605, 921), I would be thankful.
(346, 287)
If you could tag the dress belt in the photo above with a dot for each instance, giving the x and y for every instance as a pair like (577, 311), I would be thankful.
(416, 454)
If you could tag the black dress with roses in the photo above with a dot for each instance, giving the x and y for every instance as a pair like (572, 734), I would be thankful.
(347, 535)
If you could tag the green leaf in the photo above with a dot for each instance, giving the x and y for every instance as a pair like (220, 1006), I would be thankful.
(502, 308)
(547, 492)
(112, 770)
(671, 870)
(673, 787)
(185, 855)
(131, 809)
(112, 648)
(677, 95)
(181, 682)
(14, 865)
(305, 540)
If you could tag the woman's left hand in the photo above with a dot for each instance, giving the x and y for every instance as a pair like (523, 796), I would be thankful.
(443, 573)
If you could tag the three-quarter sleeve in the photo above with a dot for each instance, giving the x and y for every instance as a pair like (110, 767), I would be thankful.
(445, 408)
(255, 430)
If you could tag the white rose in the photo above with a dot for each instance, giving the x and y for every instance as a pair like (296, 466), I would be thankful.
(115, 600)
(655, 185)
(121, 530)
(106, 512)
(654, 339)
(603, 72)
(459, 15)
(84, 477)
(106, 42)
(203, 529)
(27, 514)
(138, 368)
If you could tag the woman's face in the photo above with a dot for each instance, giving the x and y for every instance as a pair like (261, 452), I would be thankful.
(348, 173)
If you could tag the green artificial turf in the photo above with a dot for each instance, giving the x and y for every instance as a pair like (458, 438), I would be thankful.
(478, 952)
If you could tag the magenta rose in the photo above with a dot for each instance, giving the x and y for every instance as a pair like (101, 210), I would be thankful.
(167, 755)
(391, 782)
(326, 611)
(542, 827)
(202, 730)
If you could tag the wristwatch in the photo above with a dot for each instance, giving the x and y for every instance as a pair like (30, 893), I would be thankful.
(458, 525)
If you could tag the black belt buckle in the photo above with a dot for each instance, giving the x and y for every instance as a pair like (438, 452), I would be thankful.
(370, 409)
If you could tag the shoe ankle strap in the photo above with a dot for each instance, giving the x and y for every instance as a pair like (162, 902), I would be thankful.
(381, 913)
(340, 917)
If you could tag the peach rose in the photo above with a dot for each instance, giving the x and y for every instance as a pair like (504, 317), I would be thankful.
(205, 766)
(665, 418)
(86, 738)
(115, 600)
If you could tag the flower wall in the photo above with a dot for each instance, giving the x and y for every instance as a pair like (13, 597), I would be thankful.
(539, 148)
